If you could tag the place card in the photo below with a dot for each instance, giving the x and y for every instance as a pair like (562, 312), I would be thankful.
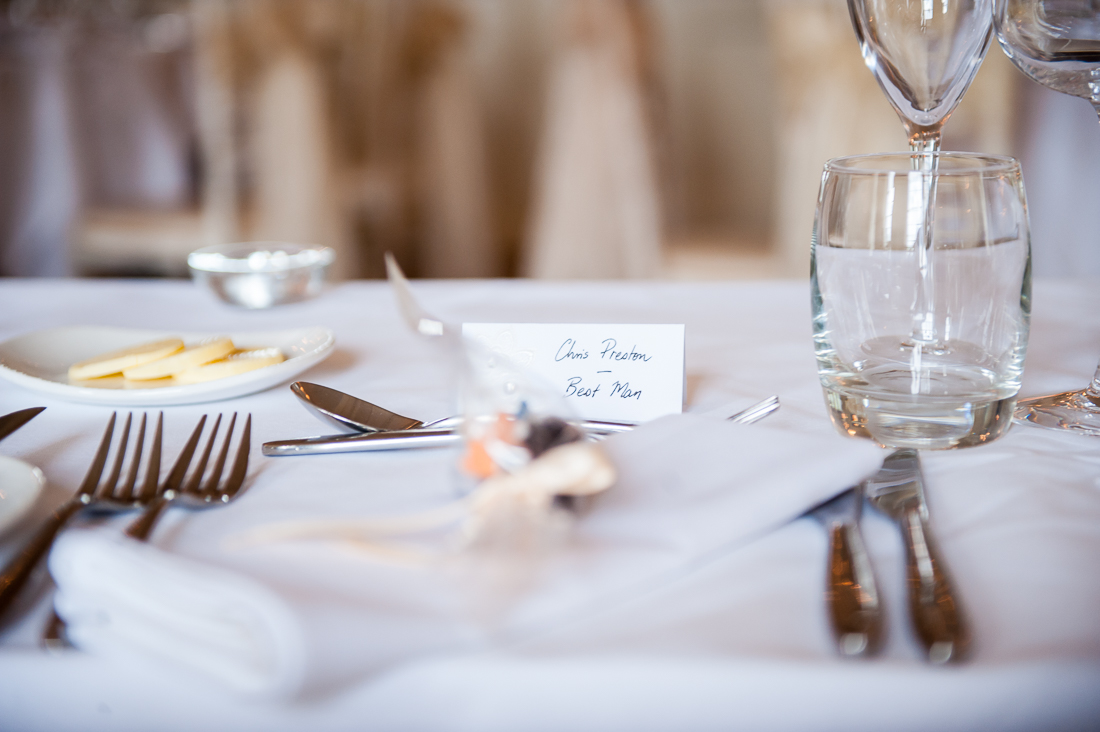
(620, 373)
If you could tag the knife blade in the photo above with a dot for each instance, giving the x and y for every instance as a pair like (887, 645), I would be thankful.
(11, 422)
(897, 490)
(851, 593)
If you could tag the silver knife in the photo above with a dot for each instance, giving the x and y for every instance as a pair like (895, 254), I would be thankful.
(851, 593)
(897, 490)
(11, 422)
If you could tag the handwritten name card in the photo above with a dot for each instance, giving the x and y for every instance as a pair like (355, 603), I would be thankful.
(620, 373)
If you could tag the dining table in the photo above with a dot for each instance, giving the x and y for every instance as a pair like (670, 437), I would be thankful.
(731, 635)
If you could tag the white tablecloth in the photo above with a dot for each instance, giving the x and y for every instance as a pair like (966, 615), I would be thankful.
(738, 642)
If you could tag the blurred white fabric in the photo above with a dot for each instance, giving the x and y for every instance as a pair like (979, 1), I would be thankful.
(296, 199)
(452, 168)
(596, 212)
(94, 119)
(42, 172)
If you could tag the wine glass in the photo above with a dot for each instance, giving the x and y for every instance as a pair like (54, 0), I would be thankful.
(924, 54)
(1057, 43)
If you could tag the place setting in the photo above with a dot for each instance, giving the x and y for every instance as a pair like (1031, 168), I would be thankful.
(528, 504)
(697, 502)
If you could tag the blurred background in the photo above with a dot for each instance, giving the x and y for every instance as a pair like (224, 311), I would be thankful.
(474, 138)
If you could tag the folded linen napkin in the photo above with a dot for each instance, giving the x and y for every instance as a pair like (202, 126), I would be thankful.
(688, 487)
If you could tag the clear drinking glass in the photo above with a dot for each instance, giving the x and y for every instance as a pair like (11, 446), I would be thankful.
(924, 54)
(1057, 43)
(952, 381)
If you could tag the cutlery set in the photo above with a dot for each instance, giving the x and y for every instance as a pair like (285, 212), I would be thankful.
(852, 598)
(373, 428)
(855, 610)
(897, 490)
(120, 491)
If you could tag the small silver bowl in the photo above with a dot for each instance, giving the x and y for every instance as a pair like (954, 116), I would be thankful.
(261, 274)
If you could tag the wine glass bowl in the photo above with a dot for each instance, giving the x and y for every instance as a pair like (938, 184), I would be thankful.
(924, 54)
(1057, 43)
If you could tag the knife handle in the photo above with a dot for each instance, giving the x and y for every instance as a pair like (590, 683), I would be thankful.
(364, 442)
(852, 596)
(935, 611)
(19, 569)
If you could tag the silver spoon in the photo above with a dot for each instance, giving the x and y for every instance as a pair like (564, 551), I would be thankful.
(347, 413)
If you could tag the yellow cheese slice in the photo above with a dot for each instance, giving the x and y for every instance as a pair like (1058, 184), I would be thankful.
(196, 355)
(235, 363)
(127, 358)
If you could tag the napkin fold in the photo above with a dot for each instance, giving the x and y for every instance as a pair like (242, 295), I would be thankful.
(688, 487)
(120, 595)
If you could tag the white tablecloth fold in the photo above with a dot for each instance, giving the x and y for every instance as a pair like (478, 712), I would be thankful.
(689, 487)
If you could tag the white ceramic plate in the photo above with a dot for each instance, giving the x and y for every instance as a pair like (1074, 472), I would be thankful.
(20, 485)
(40, 362)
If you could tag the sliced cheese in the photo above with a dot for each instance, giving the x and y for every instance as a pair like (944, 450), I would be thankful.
(235, 363)
(127, 358)
(188, 358)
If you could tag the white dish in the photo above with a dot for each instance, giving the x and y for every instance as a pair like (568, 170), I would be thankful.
(20, 485)
(40, 362)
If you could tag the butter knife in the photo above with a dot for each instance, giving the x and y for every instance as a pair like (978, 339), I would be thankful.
(897, 490)
(851, 592)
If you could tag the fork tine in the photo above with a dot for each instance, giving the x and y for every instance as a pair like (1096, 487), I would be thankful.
(91, 480)
(124, 491)
(192, 485)
(179, 469)
(215, 475)
(107, 487)
(152, 468)
(240, 463)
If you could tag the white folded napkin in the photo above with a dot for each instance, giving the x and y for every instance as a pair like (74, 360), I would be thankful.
(688, 487)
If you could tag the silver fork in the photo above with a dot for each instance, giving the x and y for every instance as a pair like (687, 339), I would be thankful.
(196, 493)
(110, 496)
(192, 494)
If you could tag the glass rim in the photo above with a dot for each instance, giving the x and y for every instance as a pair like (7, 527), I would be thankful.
(980, 163)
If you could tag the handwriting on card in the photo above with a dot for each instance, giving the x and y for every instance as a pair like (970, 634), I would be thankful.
(629, 373)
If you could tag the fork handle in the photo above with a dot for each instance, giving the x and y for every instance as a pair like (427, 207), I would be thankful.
(19, 569)
(852, 595)
(936, 615)
(141, 528)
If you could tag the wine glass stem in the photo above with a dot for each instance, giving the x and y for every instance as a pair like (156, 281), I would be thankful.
(926, 330)
(925, 139)
(1093, 390)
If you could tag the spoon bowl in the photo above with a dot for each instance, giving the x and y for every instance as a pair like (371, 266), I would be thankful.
(347, 413)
